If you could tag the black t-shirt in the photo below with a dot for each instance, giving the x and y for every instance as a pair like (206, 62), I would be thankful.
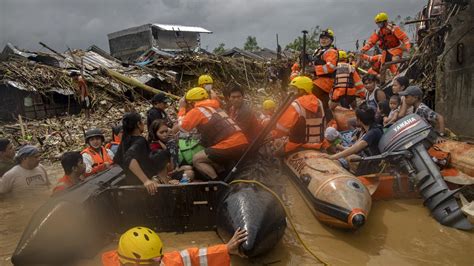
(372, 137)
(134, 147)
(154, 114)
(247, 121)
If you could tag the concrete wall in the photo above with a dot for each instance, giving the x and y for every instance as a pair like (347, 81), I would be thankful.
(455, 75)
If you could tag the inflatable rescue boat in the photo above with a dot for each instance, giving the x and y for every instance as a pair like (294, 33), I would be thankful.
(86, 217)
(338, 198)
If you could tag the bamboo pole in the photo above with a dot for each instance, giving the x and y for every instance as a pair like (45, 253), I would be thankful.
(22, 127)
(135, 83)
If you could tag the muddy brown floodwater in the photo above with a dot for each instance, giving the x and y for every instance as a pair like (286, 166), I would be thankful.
(398, 232)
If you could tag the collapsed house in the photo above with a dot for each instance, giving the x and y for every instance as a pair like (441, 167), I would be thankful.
(129, 44)
(33, 93)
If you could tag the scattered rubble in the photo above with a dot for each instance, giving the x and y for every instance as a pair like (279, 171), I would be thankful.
(44, 108)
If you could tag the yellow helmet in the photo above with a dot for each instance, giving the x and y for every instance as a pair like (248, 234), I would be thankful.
(342, 55)
(196, 94)
(205, 79)
(381, 17)
(268, 104)
(303, 83)
(139, 245)
(327, 33)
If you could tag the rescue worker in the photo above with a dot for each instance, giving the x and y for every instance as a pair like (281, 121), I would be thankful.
(325, 62)
(117, 132)
(74, 168)
(391, 39)
(375, 63)
(96, 157)
(351, 58)
(222, 138)
(303, 121)
(142, 246)
(206, 82)
(295, 71)
(268, 110)
(347, 84)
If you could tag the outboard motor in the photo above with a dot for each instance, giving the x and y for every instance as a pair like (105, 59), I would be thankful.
(405, 145)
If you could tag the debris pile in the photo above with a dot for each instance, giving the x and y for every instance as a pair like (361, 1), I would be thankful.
(40, 74)
(432, 27)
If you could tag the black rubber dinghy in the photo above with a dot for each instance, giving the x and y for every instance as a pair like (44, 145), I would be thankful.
(81, 221)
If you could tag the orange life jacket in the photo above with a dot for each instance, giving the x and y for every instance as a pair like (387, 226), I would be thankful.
(309, 127)
(99, 159)
(219, 127)
(63, 183)
(344, 78)
(212, 256)
(347, 82)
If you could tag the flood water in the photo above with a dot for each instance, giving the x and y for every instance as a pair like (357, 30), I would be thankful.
(398, 232)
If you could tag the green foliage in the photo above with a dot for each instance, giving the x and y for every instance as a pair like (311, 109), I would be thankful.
(219, 49)
(312, 41)
(251, 44)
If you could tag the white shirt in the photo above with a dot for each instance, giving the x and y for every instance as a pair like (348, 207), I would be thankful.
(21, 179)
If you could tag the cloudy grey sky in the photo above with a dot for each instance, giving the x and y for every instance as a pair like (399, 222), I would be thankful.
(80, 23)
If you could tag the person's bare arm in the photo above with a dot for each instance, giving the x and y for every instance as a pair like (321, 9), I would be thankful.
(403, 109)
(135, 168)
(392, 119)
(357, 147)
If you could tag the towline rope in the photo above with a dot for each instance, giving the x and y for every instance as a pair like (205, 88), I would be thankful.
(286, 212)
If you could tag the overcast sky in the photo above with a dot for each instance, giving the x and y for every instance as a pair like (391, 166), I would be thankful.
(81, 23)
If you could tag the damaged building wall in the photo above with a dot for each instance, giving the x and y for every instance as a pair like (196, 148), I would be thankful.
(175, 40)
(455, 75)
(34, 105)
(128, 44)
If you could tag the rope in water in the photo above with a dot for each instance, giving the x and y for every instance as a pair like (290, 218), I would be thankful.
(287, 215)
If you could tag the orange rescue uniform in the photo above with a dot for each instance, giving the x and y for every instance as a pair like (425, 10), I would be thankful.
(375, 62)
(290, 122)
(392, 40)
(347, 82)
(212, 256)
(195, 118)
(325, 66)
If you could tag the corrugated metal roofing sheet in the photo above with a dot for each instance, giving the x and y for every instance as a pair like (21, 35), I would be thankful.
(95, 59)
(181, 28)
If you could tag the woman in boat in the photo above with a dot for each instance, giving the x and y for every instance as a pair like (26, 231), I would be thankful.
(133, 153)
(164, 148)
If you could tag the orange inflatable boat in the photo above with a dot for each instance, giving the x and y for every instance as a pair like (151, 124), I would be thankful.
(462, 155)
(337, 197)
